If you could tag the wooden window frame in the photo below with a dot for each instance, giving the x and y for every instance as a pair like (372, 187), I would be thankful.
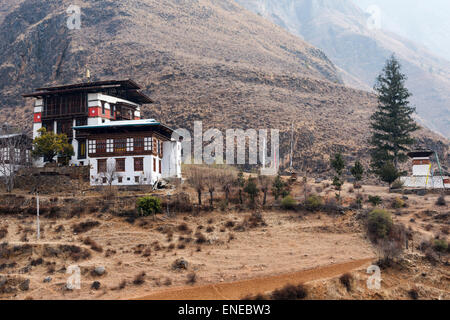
(92, 147)
(119, 167)
(138, 164)
(101, 168)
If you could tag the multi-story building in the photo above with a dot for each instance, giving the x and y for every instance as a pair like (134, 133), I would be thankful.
(60, 109)
(132, 152)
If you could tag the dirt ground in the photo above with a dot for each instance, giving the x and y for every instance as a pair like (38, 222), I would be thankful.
(288, 247)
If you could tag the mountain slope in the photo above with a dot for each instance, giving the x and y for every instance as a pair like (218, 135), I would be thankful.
(204, 60)
(341, 29)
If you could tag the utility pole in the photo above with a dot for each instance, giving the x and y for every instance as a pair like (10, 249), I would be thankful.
(38, 226)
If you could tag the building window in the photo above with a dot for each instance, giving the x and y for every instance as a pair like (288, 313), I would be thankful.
(103, 108)
(110, 145)
(17, 155)
(130, 144)
(112, 107)
(136, 179)
(138, 164)
(80, 122)
(120, 165)
(82, 149)
(160, 166)
(101, 165)
(120, 179)
(138, 144)
(100, 146)
(120, 145)
(158, 145)
(92, 145)
(154, 164)
(104, 180)
(148, 144)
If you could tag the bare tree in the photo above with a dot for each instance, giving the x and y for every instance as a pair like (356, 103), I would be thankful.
(227, 179)
(265, 182)
(15, 149)
(196, 179)
(110, 174)
(211, 181)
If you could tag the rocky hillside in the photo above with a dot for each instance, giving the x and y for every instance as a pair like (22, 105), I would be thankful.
(342, 31)
(204, 60)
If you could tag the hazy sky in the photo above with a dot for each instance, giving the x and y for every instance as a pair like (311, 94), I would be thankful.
(423, 21)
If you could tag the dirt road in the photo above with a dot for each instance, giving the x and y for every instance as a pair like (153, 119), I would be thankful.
(239, 289)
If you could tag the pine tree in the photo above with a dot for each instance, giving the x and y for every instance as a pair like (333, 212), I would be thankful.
(338, 165)
(392, 122)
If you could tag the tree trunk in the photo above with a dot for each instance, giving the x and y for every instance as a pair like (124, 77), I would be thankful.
(265, 197)
(199, 193)
(211, 199)
(240, 196)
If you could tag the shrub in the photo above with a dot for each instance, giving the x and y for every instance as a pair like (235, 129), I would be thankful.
(148, 206)
(139, 279)
(94, 245)
(392, 246)
(440, 245)
(200, 238)
(379, 224)
(3, 233)
(441, 200)
(191, 278)
(346, 281)
(314, 202)
(413, 294)
(288, 203)
(375, 200)
(290, 292)
(398, 203)
(279, 188)
(397, 184)
(85, 226)
(184, 228)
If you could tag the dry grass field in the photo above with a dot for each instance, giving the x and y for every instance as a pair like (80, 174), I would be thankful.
(217, 254)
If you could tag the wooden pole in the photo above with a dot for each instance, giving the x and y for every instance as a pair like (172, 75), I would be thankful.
(38, 232)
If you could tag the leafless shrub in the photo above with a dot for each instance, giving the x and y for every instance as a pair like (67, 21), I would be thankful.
(191, 278)
(441, 200)
(184, 228)
(139, 279)
(3, 232)
(346, 280)
(413, 294)
(85, 226)
(200, 238)
(290, 292)
(94, 245)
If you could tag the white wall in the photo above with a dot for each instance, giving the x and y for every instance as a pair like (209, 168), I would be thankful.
(421, 170)
(148, 173)
(423, 183)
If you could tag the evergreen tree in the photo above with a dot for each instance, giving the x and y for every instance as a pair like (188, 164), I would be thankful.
(392, 122)
(357, 171)
(279, 188)
(49, 145)
(338, 165)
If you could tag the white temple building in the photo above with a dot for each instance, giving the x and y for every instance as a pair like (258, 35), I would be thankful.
(424, 176)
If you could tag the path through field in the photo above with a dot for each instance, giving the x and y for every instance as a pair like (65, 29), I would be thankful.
(239, 289)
